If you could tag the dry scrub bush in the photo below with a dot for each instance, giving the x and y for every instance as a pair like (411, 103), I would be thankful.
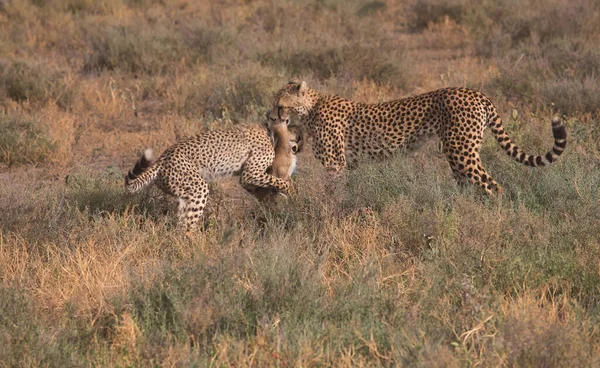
(240, 98)
(350, 62)
(426, 13)
(134, 49)
(36, 83)
(542, 331)
(560, 72)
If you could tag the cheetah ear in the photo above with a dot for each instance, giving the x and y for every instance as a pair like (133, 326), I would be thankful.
(294, 81)
(302, 87)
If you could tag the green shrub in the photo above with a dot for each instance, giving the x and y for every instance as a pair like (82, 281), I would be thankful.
(95, 7)
(241, 98)
(371, 7)
(562, 73)
(140, 50)
(158, 314)
(499, 26)
(24, 81)
(377, 184)
(532, 338)
(211, 45)
(349, 62)
(23, 140)
(24, 338)
(101, 194)
(430, 11)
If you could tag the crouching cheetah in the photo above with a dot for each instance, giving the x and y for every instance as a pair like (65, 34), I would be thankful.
(184, 168)
(344, 130)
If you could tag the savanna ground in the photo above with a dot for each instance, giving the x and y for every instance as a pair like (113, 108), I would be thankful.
(398, 267)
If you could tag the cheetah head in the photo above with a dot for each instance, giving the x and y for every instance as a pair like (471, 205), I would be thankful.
(277, 117)
(295, 96)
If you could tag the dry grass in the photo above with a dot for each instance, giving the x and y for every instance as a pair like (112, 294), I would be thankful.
(398, 266)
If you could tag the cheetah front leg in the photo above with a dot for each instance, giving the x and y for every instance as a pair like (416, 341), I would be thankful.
(254, 173)
(330, 150)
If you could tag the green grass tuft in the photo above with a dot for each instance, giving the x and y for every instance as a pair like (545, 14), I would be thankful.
(23, 140)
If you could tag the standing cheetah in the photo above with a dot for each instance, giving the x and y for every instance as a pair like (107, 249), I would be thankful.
(344, 130)
(184, 168)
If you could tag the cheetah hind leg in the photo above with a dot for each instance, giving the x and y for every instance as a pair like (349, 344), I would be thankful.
(192, 203)
(485, 180)
(470, 170)
(458, 168)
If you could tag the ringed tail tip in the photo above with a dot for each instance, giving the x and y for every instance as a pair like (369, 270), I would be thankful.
(140, 167)
(558, 130)
(148, 154)
(556, 121)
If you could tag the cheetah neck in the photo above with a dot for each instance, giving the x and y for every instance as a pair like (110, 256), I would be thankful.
(312, 99)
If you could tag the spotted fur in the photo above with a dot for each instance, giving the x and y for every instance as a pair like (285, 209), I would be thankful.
(344, 130)
(184, 169)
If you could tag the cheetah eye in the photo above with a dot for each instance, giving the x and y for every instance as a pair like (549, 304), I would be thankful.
(294, 148)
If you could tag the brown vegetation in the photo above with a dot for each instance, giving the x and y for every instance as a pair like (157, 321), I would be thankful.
(398, 267)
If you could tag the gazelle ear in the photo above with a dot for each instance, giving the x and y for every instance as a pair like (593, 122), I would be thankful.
(300, 144)
(298, 138)
(302, 87)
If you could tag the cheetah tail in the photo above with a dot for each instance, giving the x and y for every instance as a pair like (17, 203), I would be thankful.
(560, 142)
(142, 174)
